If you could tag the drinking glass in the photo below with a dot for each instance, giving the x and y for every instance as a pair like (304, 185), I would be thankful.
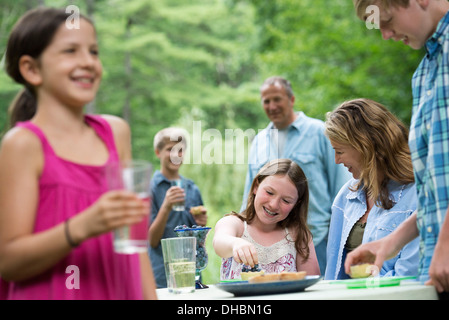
(202, 259)
(179, 206)
(179, 261)
(135, 176)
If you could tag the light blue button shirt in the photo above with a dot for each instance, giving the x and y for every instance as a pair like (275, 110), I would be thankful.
(307, 145)
(350, 206)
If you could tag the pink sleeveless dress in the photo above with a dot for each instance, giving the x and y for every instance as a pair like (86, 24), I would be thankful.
(92, 270)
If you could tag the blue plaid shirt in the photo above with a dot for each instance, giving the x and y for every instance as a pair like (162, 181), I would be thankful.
(429, 141)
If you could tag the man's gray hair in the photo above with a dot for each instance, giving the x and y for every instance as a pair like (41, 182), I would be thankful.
(279, 81)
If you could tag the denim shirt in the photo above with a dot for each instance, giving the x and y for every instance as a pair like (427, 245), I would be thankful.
(350, 206)
(428, 140)
(159, 187)
(308, 146)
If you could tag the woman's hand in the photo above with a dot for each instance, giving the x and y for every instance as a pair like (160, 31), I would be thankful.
(378, 251)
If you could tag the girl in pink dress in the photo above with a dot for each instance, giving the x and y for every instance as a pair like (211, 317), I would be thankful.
(272, 232)
(56, 214)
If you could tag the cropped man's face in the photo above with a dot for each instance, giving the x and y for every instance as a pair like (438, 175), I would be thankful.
(412, 25)
(278, 105)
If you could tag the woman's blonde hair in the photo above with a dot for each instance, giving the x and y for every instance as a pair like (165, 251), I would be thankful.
(382, 140)
(297, 218)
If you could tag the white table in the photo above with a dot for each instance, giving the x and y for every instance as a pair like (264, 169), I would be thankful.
(323, 290)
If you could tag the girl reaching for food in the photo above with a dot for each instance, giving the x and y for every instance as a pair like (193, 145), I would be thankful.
(272, 232)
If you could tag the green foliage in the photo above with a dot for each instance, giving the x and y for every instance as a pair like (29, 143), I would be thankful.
(181, 62)
(330, 56)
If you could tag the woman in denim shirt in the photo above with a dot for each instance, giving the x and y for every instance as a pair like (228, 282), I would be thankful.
(373, 145)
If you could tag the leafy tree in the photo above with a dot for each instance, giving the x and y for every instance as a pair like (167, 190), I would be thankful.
(170, 63)
(330, 56)
(201, 62)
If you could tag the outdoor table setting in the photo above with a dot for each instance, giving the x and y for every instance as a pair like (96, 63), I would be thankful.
(391, 288)
(185, 257)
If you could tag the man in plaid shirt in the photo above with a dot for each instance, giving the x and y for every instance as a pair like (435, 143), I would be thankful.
(421, 23)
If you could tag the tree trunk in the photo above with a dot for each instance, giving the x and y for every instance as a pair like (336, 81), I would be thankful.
(128, 74)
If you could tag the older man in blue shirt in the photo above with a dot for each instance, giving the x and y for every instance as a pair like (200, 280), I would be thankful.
(299, 138)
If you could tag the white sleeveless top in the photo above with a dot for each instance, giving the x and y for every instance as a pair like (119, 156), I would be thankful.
(280, 256)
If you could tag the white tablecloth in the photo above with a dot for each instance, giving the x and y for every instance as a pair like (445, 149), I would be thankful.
(323, 290)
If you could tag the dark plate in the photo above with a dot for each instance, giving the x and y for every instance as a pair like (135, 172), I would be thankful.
(244, 288)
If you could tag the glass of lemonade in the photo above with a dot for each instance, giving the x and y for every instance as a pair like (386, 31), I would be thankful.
(179, 260)
(181, 274)
(135, 176)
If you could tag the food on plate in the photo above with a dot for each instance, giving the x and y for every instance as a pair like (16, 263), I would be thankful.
(283, 276)
(246, 268)
(361, 270)
(265, 278)
(197, 210)
(250, 274)
(293, 275)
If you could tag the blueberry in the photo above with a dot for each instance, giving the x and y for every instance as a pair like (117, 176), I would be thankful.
(256, 268)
